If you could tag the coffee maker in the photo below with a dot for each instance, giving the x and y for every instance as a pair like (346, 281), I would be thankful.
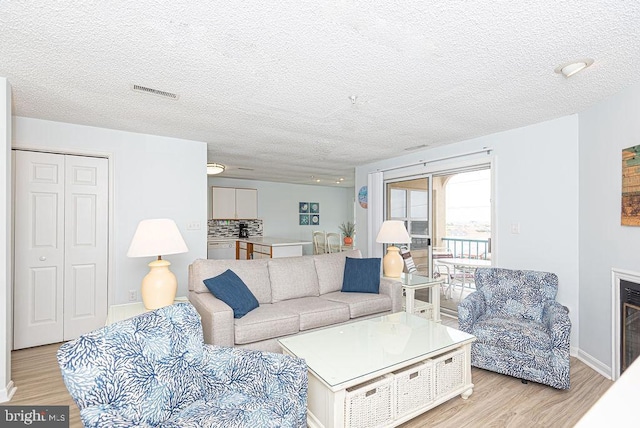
(244, 230)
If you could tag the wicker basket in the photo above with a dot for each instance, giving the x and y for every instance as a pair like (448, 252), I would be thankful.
(370, 404)
(421, 309)
(413, 387)
(449, 373)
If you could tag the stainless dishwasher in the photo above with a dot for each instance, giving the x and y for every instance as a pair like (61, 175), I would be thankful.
(221, 250)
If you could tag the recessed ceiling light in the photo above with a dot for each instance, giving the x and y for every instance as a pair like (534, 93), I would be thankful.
(317, 180)
(570, 68)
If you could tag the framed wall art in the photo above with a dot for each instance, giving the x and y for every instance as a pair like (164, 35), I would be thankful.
(630, 210)
(309, 213)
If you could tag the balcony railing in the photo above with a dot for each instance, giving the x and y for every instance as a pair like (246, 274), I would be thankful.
(469, 248)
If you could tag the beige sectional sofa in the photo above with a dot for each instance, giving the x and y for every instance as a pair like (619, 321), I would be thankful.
(296, 294)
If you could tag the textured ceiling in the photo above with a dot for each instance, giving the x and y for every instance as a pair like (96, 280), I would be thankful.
(270, 86)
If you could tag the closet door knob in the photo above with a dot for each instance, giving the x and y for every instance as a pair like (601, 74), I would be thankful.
(42, 258)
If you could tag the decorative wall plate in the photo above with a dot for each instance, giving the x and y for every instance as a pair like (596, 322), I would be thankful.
(362, 197)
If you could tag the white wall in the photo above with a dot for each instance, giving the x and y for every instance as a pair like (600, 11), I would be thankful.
(536, 185)
(152, 177)
(278, 206)
(6, 334)
(605, 129)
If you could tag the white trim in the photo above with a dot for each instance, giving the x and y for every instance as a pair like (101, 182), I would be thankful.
(7, 392)
(375, 212)
(425, 162)
(616, 276)
(592, 362)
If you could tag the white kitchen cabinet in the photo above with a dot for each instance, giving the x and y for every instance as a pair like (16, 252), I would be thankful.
(232, 203)
(246, 203)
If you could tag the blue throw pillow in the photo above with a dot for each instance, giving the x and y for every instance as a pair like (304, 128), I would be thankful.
(361, 275)
(229, 288)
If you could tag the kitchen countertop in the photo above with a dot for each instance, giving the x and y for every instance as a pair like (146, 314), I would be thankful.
(210, 239)
(263, 240)
(274, 242)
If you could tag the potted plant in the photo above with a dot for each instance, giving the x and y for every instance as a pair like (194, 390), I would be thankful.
(348, 229)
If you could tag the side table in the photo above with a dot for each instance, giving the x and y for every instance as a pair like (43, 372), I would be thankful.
(122, 312)
(412, 282)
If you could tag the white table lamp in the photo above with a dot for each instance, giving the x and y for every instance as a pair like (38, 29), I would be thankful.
(157, 237)
(393, 232)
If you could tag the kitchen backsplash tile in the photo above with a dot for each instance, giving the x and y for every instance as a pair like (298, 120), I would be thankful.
(231, 228)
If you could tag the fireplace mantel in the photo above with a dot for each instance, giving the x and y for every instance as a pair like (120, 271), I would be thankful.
(616, 276)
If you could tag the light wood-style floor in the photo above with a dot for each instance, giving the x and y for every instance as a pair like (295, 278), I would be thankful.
(497, 400)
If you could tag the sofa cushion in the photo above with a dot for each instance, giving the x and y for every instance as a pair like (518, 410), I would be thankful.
(292, 277)
(361, 275)
(254, 273)
(330, 269)
(517, 293)
(514, 333)
(316, 312)
(361, 304)
(265, 322)
(229, 288)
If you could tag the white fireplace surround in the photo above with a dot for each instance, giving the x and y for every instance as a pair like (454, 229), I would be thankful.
(616, 276)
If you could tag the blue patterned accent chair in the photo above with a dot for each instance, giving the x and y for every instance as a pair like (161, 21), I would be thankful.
(521, 330)
(155, 370)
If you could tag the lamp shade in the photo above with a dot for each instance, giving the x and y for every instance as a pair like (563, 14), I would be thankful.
(393, 232)
(156, 237)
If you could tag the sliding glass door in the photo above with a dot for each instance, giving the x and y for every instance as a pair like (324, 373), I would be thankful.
(448, 215)
(409, 201)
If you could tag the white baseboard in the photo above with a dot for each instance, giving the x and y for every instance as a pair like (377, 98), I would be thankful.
(594, 363)
(7, 392)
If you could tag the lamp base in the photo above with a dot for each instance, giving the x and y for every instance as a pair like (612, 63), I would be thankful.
(159, 286)
(392, 263)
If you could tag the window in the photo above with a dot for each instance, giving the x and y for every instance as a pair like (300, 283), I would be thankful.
(409, 202)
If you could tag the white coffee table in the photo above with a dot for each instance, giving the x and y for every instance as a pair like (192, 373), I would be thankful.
(389, 369)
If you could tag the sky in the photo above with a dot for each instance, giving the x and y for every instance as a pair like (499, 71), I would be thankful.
(469, 197)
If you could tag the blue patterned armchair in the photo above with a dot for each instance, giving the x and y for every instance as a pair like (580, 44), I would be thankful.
(521, 330)
(155, 370)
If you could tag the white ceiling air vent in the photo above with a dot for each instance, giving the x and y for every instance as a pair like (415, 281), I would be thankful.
(245, 169)
(421, 146)
(163, 94)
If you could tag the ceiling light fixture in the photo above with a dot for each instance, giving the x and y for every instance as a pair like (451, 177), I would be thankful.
(570, 68)
(215, 168)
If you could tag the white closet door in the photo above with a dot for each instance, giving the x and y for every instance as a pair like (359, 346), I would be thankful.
(85, 272)
(61, 228)
(39, 249)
